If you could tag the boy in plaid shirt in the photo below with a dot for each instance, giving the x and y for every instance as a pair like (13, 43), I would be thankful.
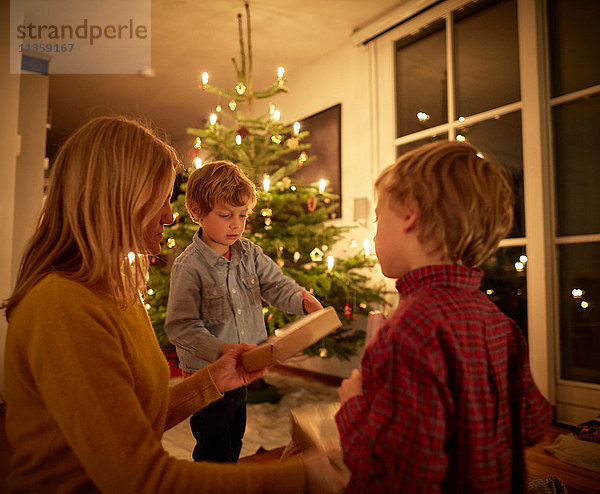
(445, 401)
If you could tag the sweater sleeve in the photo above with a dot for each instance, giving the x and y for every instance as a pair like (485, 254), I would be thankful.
(87, 386)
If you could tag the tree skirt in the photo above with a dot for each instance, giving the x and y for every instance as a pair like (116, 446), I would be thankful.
(268, 424)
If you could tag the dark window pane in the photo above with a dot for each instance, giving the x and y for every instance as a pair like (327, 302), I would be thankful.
(405, 148)
(421, 80)
(500, 141)
(487, 56)
(505, 282)
(577, 148)
(579, 268)
(574, 41)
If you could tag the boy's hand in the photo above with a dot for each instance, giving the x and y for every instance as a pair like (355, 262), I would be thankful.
(310, 303)
(351, 387)
(228, 371)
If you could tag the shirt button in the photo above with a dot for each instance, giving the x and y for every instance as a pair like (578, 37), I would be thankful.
(233, 290)
(239, 311)
(242, 331)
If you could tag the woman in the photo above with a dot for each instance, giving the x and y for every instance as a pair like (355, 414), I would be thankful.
(86, 383)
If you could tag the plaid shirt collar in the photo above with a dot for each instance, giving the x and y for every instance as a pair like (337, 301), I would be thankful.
(441, 275)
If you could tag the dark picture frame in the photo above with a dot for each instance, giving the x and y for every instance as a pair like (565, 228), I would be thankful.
(325, 139)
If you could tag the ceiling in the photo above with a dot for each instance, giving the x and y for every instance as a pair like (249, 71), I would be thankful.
(189, 37)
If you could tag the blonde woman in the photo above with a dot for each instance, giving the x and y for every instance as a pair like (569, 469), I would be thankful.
(86, 383)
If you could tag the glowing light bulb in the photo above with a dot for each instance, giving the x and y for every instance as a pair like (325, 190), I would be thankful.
(198, 143)
(238, 139)
(205, 78)
(489, 291)
(367, 246)
(266, 183)
(148, 306)
(330, 263)
(293, 188)
(131, 257)
(519, 266)
(479, 155)
(213, 118)
(280, 72)
(218, 108)
(523, 258)
(276, 115)
(577, 292)
(461, 138)
(322, 184)
(584, 304)
(198, 162)
(296, 128)
(422, 116)
(232, 105)
(150, 292)
(461, 119)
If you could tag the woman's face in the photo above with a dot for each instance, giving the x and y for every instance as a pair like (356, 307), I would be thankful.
(153, 232)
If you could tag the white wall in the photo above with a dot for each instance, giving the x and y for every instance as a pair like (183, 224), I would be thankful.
(23, 107)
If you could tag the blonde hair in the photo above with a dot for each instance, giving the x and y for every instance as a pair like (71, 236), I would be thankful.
(464, 201)
(105, 182)
(219, 182)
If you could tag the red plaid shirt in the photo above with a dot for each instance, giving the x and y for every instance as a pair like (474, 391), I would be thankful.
(448, 401)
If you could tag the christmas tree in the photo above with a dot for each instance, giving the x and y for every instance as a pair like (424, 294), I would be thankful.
(291, 221)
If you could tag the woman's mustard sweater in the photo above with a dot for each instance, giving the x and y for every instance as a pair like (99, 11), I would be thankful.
(88, 399)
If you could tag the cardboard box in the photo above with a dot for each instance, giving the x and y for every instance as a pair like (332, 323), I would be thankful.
(291, 339)
(315, 427)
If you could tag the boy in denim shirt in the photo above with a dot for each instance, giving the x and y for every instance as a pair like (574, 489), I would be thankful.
(217, 284)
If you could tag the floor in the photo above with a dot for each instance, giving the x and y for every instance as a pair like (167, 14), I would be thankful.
(539, 462)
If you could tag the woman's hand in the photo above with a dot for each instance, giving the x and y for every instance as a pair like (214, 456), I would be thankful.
(310, 303)
(351, 387)
(321, 476)
(228, 371)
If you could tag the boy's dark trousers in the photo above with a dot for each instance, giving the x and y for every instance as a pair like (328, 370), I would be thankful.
(219, 428)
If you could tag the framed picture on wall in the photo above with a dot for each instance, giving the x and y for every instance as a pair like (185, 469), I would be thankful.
(325, 139)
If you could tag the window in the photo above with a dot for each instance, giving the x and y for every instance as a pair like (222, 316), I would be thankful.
(442, 77)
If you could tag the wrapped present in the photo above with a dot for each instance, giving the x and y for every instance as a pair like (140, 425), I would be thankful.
(315, 427)
(291, 339)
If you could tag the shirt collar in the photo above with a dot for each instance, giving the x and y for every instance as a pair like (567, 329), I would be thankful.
(443, 275)
(212, 257)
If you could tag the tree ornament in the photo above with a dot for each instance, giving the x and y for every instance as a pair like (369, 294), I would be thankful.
(240, 88)
(297, 256)
(287, 182)
(316, 255)
(292, 143)
(363, 305)
(347, 311)
(302, 158)
(267, 212)
(311, 203)
(276, 138)
(243, 131)
(197, 143)
(268, 224)
(192, 153)
(324, 248)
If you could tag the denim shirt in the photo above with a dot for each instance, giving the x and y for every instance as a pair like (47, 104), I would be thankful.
(213, 300)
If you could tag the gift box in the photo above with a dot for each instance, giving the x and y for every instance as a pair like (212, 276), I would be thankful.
(315, 427)
(291, 339)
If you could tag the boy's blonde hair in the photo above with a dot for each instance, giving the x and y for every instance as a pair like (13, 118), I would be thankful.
(219, 182)
(464, 202)
(106, 181)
